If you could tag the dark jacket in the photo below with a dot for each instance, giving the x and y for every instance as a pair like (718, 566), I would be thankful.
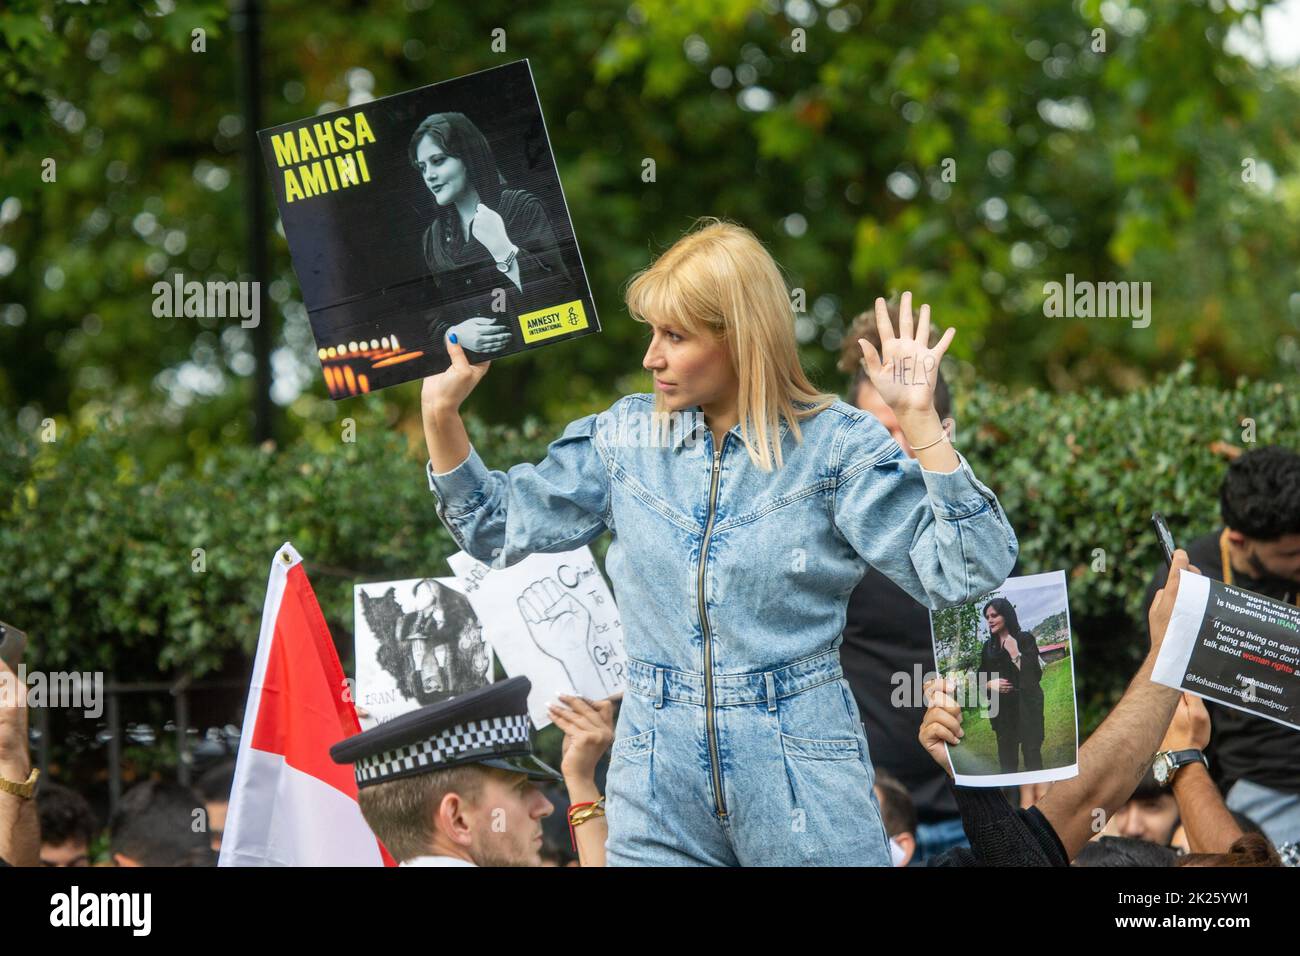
(1002, 835)
(1020, 710)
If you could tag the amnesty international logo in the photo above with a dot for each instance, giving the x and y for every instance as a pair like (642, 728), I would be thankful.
(550, 322)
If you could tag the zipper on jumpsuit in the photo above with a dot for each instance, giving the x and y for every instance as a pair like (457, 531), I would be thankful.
(711, 730)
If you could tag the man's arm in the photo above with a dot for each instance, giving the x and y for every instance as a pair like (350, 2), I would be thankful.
(1113, 760)
(20, 833)
(1209, 824)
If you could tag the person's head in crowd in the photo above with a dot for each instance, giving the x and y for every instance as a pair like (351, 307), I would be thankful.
(1179, 841)
(1124, 851)
(1150, 814)
(160, 823)
(1249, 849)
(1259, 502)
(490, 816)
(899, 816)
(67, 825)
(864, 395)
(214, 787)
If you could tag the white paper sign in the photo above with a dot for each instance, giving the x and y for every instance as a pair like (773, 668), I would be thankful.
(550, 618)
(418, 642)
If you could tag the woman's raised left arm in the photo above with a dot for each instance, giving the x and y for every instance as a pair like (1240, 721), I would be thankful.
(928, 524)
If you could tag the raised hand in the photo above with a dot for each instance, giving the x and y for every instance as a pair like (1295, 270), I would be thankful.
(1162, 605)
(1190, 727)
(588, 727)
(444, 392)
(908, 371)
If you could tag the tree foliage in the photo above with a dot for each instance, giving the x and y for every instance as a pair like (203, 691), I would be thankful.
(968, 151)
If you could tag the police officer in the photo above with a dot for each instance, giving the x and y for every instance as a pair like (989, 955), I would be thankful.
(453, 784)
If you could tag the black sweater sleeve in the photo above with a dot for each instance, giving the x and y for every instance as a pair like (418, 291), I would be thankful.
(1000, 834)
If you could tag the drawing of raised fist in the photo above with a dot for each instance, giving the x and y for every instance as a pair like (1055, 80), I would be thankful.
(561, 628)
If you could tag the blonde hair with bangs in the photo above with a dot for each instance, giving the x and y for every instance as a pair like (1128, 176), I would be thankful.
(720, 280)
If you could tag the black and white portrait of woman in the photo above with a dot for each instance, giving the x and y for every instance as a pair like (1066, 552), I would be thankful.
(488, 245)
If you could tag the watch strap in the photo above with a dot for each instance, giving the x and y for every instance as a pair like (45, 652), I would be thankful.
(1181, 758)
(25, 790)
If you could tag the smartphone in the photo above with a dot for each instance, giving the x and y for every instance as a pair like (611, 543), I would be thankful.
(1164, 537)
(12, 644)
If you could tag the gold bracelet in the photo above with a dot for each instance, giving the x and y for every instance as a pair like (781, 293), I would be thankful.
(582, 814)
(931, 445)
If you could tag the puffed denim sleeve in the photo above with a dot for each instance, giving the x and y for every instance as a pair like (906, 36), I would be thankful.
(502, 517)
(941, 537)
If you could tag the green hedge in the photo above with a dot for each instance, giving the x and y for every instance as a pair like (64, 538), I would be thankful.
(99, 555)
(102, 557)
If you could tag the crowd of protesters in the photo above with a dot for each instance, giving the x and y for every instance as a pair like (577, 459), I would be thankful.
(1240, 806)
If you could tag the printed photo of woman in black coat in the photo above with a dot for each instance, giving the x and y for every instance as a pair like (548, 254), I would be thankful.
(1011, 665)
(488, 245)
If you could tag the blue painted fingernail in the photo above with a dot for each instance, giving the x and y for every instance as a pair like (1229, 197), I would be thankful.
(453, 339)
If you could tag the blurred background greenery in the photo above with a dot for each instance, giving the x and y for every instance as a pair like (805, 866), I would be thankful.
(969, 151)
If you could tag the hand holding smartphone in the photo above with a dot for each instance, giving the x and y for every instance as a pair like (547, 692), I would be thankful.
(1166, 539)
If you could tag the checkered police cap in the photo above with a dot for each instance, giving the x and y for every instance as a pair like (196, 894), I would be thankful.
(487, 726)
(463, 743)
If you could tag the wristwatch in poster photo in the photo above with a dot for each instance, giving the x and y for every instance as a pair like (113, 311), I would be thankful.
(503, 265)
(1167, 763)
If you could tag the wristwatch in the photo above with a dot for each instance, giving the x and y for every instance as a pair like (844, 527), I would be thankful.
(503, 265)
(22, 790)
(1167, 762)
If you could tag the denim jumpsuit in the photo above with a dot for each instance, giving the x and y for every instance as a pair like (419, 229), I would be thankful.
(738, 741)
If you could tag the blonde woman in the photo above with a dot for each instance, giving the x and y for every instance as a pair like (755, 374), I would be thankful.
(744, 506)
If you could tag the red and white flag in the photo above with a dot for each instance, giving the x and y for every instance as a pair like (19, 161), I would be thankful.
(291, 805)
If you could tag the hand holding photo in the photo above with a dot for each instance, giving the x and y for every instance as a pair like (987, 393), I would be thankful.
(1008, 685)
